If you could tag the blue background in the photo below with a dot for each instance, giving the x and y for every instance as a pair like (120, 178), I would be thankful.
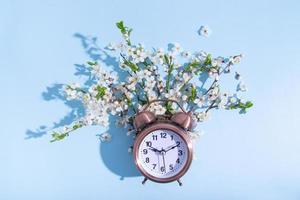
(252, 156)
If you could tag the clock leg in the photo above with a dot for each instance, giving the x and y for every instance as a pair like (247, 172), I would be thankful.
(144, 181)
(179, 182)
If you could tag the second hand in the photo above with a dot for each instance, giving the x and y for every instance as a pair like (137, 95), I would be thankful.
(163, 160)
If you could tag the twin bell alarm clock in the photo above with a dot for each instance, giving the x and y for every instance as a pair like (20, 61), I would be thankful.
(163, 150)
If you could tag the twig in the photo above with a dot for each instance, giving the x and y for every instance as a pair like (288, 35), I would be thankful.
(211, 87)
(170, 69)
(211, 106)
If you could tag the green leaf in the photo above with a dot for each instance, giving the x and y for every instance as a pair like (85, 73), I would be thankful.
(194, 64)
(167, 59)
(189, 66)
(125, 31)
(92, 63)
(249, 104)
(58, 136)
(240, 105)
(76, 126)
(101, 92)
(121, 26)
(207, 60)
(131, 65)
(193, 94)
(169, 107)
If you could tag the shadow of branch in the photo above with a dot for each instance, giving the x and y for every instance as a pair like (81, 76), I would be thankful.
(114, 154)
(55, 92)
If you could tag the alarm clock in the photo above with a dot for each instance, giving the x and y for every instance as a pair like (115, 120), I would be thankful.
(163, 150)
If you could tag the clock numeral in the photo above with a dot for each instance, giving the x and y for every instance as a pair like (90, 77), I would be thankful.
(154, 165)
(172, 137)
(171, 167)
(154, 137)
(145, 151)
(149, 144)
(178, 143)
(162, 169)
(180, 152)
(163, 135)
(178, 160)
(147, 160)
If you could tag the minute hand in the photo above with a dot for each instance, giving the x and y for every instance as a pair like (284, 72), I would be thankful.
(172, 147)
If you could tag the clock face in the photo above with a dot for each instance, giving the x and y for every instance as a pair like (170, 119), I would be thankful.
(163, 153)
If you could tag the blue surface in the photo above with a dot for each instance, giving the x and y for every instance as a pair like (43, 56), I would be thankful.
(252, 156)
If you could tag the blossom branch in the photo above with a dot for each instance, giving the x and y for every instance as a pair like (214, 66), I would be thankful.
(108, 96)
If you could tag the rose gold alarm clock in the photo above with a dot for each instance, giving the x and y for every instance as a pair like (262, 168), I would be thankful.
(163, 150)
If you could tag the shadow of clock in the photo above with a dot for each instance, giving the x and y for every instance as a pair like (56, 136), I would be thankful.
(115, 155)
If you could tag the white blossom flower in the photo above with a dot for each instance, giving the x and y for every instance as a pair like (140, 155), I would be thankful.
(184, 97)
(122, 64)
(120, 47)
(242, 87)
(101, 120)
(201, 116)
(66, 129)
(186, 54)
(176, 48)
(233, 99)
(74, 85)
(214, 62)
(236, 59)
(71, 94)
(157, 109)
(213, 94)
(222, 102)
(130, 132)
(160, 50)
(199, 101)
(160, 110)
(173, 94)
(204, 31)
(186, 77)
(150, 83)
(139, 56)
(176, 64)
(243, 101)
(105, 137)
(194, 135)
(131, 51)
(200, 56)
(111, 46)
(86, 98)
(123, 121)
(158, 57)
(93, 90)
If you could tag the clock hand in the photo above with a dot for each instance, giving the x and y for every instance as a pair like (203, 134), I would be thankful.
(154, 149)
(172, 147)
(163, 155)
(158, 161)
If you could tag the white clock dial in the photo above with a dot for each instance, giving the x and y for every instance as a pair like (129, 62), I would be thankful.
(163, 153)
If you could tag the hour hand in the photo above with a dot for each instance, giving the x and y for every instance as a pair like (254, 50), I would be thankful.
(154, 149)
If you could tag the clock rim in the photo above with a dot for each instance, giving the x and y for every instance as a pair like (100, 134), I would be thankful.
(163, 125)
